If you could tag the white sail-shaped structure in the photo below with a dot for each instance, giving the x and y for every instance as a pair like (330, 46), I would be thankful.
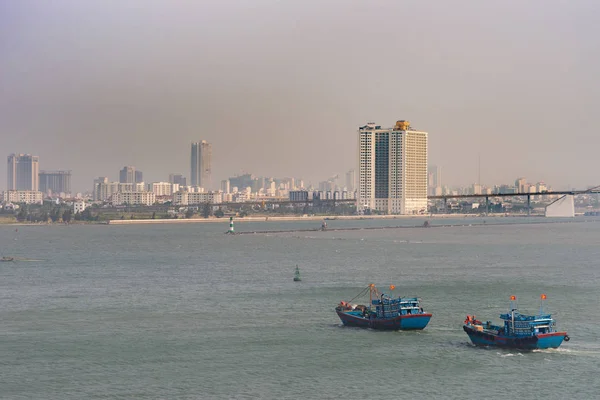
(562, 207)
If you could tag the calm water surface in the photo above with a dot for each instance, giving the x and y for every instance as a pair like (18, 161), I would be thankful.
(185, 312)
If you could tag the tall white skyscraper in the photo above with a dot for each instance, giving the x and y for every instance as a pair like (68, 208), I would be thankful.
(392, 165)
(201, 165)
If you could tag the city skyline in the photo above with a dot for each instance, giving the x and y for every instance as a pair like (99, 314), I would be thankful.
(275, 87)
(130, 174)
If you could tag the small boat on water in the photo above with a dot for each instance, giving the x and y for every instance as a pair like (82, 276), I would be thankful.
(384, 312)
(297, 275)
(520, 331)
(7, 259)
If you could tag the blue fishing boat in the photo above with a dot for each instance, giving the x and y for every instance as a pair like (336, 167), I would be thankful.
(520, 331)
(384, 312)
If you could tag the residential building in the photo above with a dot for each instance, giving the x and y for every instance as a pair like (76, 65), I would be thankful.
(161, 188)
(392, 169)
(201, 173)
(134, 198)
(55, 182)
(79, 206)
(100, 187)
(23, 196)
(104, 190)
(23, 172)
(195, 198)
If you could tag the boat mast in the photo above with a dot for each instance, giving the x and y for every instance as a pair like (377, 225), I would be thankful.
(513, 300)
(542, 298)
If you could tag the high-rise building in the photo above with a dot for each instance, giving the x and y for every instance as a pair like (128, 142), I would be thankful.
(23, 172)
(55, 181)
(100, 188)
(434, 176)
(350, 180)
(127, 175)
(139, 177)
(225, 186)
(392, 169)
(521, 185)
(130, 174)
(201, 164)
(178, 179)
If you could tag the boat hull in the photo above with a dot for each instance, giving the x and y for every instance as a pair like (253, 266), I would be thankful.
(401, 322)
(541, 341)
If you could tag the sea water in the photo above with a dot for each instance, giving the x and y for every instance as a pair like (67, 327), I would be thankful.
(186, 312)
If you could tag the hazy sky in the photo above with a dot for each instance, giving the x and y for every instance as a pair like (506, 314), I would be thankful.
(280, 87)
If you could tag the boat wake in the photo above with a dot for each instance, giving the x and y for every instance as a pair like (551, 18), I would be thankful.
(510, 354)
(573, 352)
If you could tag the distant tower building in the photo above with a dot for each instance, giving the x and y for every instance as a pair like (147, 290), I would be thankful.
(100, 188)
(225, 186)
(350, 180)
(434, 179)
(201, 164)
(178, 179)
(392, 169)
(23, 172)
(139, 177)
(521, 185)
(55, 181)
(127, 175)
(434, 176)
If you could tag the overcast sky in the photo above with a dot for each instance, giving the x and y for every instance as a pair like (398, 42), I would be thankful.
(280, 87)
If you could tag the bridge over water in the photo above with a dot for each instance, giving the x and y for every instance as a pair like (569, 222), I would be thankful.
(333, 202)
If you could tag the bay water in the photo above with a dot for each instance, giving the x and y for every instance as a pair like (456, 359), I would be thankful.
(186, 312)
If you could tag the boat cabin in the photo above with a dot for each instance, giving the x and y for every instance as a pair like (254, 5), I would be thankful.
(517, 324)
(388, 307)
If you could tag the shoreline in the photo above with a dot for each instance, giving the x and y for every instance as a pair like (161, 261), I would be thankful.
(225, 220)
(294, 218)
